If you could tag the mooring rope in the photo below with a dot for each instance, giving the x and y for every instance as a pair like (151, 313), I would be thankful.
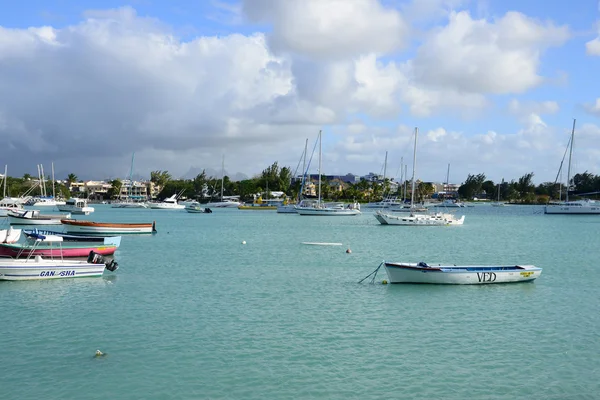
(374, 273)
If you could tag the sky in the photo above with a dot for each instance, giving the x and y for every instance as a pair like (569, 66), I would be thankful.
(492, 86)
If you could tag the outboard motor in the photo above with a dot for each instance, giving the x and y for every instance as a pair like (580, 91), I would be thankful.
(109, 263)
(207, 210)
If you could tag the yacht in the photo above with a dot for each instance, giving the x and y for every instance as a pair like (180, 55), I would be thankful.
(169, 203)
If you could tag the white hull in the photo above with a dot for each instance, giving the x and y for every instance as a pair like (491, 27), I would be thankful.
(498, 204)
(437, 219)
(166, 206)
(567, 209)
(35, 221)
(5, 210)
(287, 209)
(129, 205)
(460, 275)
(224, 204)
(76, 210)
(326, 211)
(9, 235)
(106, 229)
(38, 268)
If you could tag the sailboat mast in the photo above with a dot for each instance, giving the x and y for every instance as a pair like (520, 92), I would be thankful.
(5, 179)
(130, 192)
(448, 180)
(303, 169)
(405, 184)
(401, 175)
(412, 194)
(570, 156)
(53, 194)
(222, 175)
(320, 140)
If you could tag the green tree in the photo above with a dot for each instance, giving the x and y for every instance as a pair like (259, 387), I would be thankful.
(160, 178)
(424, 191)
(525, 186)
(115, 189)
(490, 189)
(472, 186)
(71, 178)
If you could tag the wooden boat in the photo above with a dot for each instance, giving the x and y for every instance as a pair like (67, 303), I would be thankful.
(107, 228)
(34, 217)
(105, 240)
(36, 267)
(459, 274)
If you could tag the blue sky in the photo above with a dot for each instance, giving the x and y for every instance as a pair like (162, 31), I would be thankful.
(504, 128)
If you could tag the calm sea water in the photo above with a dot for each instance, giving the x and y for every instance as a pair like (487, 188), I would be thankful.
(192, 313)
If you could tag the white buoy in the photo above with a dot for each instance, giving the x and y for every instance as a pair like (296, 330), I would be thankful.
(243, 242)
(99, 353)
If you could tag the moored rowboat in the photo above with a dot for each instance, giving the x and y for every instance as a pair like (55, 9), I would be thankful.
(107, 228)
(459, 275)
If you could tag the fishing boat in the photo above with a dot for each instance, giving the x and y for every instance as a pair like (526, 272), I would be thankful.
(399, 272)
(104, 240)
(34, 217)
(107, 228)
(577, 207)
(10, 235)
(195, 208)
(414, 217)
(36, 267)
(33, 246)
(76, 206)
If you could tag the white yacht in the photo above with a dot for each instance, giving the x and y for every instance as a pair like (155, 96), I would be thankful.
(76, 206)
(169, 203)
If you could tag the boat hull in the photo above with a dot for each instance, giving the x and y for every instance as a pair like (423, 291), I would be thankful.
(327, 211)
(24, 250)
(34, 269)
(99, 240)
(577, 210)
(460, 275)
(33, 221)
(76, 210)
(107, 228)
(438, 219)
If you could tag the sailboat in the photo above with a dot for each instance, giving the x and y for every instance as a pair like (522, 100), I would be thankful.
(584, 206)
(226, 201)
(388, 201)
(8, 203)
(416, 218)
(449, 202)
(320, 208)
(288, 207)
(128, 202)
(498, 203)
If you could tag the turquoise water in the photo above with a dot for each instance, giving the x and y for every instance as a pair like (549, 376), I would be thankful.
(192, 313)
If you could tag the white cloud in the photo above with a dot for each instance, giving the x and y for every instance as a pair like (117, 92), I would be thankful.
(329, 28)
(479, 56)
(594, 108)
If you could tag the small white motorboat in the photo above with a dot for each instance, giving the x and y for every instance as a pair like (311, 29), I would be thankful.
(34, 217)
(399, 272)
(195, 208)
(76, 206)
(36, 267)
